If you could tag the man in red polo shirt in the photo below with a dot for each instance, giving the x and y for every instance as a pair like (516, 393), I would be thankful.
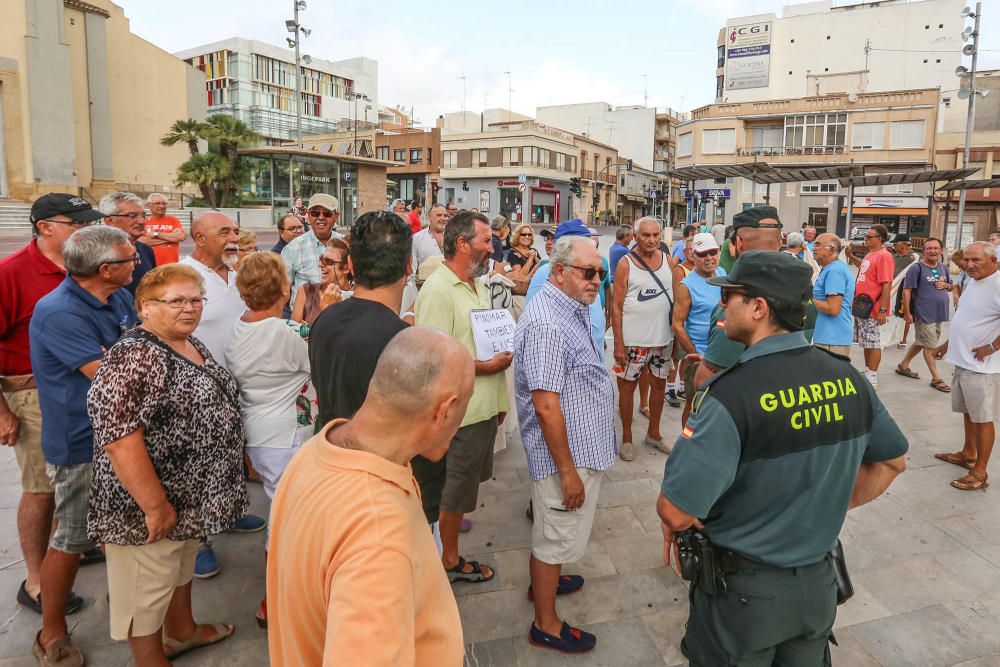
(25, 277)
(416, 208)
(164, 233)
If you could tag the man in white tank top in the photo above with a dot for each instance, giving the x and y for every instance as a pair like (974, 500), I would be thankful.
(640, 318)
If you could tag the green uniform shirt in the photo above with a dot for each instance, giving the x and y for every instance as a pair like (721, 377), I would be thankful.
(726, 258)
(445, 303)
(770, 454)
(724, 352)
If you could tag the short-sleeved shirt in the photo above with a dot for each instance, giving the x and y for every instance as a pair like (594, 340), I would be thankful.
(554, 352)
(301, 257)
(598, 321)
(977, 322)
(498, 249)
(69, 329)
(147, 262)
(770, 454)
(615, 253)
(928, 304)
(835, 279)
(425, 246)
(724, 352)
(876, 270)
(193, 434)
(414, 219)
(166, 253)
(901, 262)
(223, 308)
(445, 303)
(25, 277)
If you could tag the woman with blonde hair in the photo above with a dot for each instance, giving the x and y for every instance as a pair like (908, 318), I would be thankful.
(168, 466)
(247, 246)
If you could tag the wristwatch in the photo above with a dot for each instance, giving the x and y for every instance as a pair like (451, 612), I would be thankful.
(156, 234)
(883, 310)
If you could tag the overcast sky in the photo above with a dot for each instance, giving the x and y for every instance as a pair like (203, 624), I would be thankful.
(557, 52)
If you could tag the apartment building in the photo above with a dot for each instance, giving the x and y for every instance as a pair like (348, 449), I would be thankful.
(519, 168)
(416, 158)
(830, 46)
(255, 81)
(597, 203)
(884, 132)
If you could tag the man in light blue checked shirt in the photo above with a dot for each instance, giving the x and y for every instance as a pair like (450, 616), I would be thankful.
(301, 255)
(565, 403)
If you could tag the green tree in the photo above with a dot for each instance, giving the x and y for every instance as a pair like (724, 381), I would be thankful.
(228, 134)
(185, 131)
(206, 171)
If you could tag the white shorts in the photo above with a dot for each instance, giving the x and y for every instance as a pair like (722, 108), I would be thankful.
(559, 535)
(977, 394)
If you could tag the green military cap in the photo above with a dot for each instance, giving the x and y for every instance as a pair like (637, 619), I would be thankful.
(775, 275)
(752, 217)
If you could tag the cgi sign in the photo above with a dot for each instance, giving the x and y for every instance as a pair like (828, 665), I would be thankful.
(748, 55)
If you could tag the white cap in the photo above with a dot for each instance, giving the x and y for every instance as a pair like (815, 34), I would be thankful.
(703, 241)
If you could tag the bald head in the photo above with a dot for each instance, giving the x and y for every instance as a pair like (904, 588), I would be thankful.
(826, 249)
(216, 238)
(210, 221)
(418, 369)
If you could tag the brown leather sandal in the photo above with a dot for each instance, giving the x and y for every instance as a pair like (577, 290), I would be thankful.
(976, 484)
(956, 459)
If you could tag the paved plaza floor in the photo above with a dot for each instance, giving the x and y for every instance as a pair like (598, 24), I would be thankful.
(925, 560)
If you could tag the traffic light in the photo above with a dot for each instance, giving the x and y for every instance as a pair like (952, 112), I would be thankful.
(574, 186)
(597, 196)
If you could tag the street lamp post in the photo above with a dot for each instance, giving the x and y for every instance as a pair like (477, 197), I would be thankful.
(973, 50)
(296, 28)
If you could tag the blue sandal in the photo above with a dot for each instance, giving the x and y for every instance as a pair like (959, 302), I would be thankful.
(458, 572)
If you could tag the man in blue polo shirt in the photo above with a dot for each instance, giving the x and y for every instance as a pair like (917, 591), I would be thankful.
(71, 329)
(832, 295)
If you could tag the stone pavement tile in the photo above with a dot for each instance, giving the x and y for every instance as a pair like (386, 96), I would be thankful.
(861, 608)
(928, 637)
(10, 496)
(880, 514)
(928, 493)
(927, 583)
(976, 529)
(494, 653)
(506, 480)
(666, 628)
(990, 553)
(637, 552)
(619, 642)
(981, 615)
(648, 462)
(646, 513)
(512, 569)
(876, 549)
(849, 652)
(626, 595)
(20, 661)
(992, 660)
(496, 534)
(611, 522)
(628, 492)
(495, 615)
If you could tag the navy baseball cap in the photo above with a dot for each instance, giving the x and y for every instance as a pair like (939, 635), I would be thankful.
(76, 208)
(573, 228)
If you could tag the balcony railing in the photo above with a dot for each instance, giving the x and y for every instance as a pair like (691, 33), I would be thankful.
(755, 151)
(587, 174)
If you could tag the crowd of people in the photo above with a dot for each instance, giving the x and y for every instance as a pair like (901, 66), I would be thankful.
(343, 370)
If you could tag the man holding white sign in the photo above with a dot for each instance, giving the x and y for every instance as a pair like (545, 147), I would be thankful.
(565, 401)
(448, 301)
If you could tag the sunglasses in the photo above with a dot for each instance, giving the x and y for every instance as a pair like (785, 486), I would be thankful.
(326, 261)
(320, 213)
(589, 272)
(708, 253)
(728, 292)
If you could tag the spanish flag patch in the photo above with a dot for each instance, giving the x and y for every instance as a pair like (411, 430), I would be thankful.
(721, 324)
(687, 432)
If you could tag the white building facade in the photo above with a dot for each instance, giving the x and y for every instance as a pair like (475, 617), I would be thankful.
(255, 82)
(630, 129)
(825, 47)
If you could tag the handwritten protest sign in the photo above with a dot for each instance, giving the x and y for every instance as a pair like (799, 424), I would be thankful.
(493, 331)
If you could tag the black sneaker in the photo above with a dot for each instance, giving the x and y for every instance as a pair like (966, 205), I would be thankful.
(682, 395)
(73, 604)
(671, 398)
(570, 640)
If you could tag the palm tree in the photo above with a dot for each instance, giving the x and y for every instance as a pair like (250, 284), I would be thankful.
(229, 134)
(185, 131)
(204, 170)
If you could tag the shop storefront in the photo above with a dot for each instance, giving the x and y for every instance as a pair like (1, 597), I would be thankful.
(275, 177)
(536, 200)
(900, 215)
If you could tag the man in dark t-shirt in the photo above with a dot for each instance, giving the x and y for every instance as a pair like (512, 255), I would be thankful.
(347, 339)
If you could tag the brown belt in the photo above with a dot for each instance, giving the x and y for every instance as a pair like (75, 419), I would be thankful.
(12, 383)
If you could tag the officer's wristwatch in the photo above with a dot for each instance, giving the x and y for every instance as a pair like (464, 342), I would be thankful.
(156, 235)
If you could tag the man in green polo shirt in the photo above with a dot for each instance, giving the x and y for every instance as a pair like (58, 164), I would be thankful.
(777, 449)
(445, 302)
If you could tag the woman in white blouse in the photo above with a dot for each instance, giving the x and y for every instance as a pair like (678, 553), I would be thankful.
(270, 362)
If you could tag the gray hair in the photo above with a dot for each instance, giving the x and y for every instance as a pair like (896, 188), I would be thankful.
(499, 223)
(111, 203)
(622, 232)
(648, 218)
(795, 240)
(988, 248)
(565, 248)
(149, 199)
(87, 249)
(396, 201)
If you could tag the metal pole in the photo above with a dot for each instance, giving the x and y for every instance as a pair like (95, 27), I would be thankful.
(850, 209)
(298, 102)
(670, 196)
(969, 122)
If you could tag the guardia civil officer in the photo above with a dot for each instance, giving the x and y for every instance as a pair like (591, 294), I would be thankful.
(777, 449)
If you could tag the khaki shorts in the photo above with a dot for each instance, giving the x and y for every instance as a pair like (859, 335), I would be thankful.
(927, 335)
(71, 485)
(141, 582)
(976, 394)
(469, 462)
(559, 535)
(28, 449)
(842, 350)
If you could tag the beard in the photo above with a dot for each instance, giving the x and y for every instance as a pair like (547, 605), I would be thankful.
(480, 270)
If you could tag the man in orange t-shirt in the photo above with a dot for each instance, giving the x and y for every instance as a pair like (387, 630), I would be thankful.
(368, 587)
(875, 281)
(164, 233)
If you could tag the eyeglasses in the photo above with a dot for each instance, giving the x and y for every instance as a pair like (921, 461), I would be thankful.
(708, 253)
(326, 261)
(589, 272)
(873, 236)
(130, 216)
(728, 292)
(296, 228)
(179, 303)
(321, 213)
(72, 223)
(134, 259)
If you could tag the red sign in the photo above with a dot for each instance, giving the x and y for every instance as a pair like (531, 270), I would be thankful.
(502, 184)
(546, 186)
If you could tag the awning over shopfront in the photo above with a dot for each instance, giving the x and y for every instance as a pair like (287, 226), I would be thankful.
(970, 185)
(885, 211)
(635, 199)
(901, 178)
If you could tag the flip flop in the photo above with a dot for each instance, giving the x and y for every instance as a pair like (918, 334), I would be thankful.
(979, 483)
(176, 648)
(906, 372)
(956, 460)
(940, 385)
(458, 572)
(644, 412)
